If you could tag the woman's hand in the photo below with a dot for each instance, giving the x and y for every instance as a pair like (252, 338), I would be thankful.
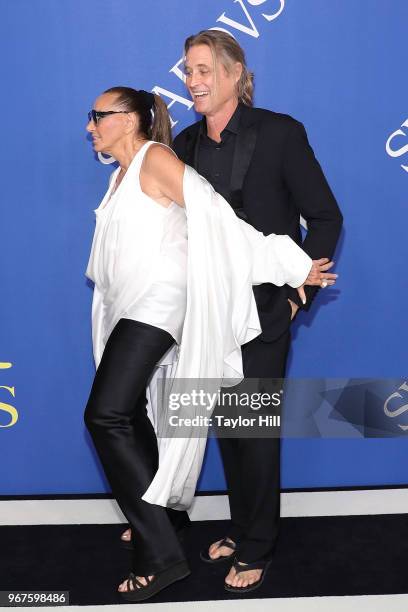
(318, 276)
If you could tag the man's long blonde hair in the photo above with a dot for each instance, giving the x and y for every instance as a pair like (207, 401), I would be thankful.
(226, 49)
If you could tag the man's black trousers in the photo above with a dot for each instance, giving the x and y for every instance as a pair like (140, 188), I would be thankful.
(252, 465)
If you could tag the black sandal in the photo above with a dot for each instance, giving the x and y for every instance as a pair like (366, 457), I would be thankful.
(262, 565)
(160, 581)
(204, 556)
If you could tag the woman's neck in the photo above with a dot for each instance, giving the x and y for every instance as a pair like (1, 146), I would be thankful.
(126, 152)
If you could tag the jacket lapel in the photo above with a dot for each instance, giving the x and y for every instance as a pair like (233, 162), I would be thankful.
(244, 149)
(192, 142)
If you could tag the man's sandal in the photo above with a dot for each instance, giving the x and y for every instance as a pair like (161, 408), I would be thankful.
(256, 565)
(204, 556)
(159, 581)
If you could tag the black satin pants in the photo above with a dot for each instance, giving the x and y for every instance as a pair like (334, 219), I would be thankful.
(125, 440)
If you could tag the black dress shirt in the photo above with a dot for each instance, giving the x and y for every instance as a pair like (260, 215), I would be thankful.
(215, 158)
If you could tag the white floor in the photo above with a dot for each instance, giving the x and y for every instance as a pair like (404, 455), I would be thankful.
(206, 507)
(363, 603)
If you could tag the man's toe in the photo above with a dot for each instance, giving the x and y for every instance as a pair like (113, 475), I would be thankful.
(230, 578)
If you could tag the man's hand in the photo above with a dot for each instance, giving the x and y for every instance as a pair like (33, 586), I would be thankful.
(294, 308)
(318, 276)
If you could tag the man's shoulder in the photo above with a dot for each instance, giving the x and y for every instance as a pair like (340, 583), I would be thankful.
(268, 117)
(188, 131)
(249, 115)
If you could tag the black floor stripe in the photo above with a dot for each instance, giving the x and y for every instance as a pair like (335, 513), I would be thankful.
(352, 555)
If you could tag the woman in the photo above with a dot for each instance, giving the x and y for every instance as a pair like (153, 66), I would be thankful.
(162, 300)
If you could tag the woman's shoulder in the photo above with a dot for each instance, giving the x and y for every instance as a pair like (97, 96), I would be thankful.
(160, 156)
(160, 146)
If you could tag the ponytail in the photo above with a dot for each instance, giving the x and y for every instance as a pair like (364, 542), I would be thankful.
(161, 126)
(154, 118)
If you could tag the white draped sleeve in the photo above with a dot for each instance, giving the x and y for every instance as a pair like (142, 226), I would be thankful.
(277, 258)
(226, 256)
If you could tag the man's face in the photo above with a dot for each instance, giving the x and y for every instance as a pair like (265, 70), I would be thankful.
(211, 89)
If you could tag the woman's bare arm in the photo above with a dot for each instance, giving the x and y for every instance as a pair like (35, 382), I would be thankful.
(161, 175)
(162, 179)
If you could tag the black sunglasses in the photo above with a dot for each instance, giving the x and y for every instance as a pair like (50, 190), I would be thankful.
(95, 115)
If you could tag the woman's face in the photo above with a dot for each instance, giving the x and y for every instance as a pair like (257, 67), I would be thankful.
(108, 131)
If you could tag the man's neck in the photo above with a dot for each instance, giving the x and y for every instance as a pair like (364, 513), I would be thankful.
(217, 122)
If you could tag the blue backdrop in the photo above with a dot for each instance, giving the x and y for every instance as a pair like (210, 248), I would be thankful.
(338, 66)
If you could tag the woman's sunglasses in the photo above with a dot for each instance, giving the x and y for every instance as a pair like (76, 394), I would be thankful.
(95, 115)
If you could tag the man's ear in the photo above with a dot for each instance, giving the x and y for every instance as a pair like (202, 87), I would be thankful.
(237, 71)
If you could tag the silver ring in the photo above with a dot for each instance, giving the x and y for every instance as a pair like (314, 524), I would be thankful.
(324, 283)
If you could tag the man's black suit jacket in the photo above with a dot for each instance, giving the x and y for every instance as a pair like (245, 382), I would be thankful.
(275, 177)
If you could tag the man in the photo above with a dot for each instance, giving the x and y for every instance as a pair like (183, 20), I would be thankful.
(263, 165)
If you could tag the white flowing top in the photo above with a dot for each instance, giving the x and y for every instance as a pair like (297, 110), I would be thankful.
(138, 259)
(225, 257)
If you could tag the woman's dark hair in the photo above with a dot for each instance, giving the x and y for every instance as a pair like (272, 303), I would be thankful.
(155, 127)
